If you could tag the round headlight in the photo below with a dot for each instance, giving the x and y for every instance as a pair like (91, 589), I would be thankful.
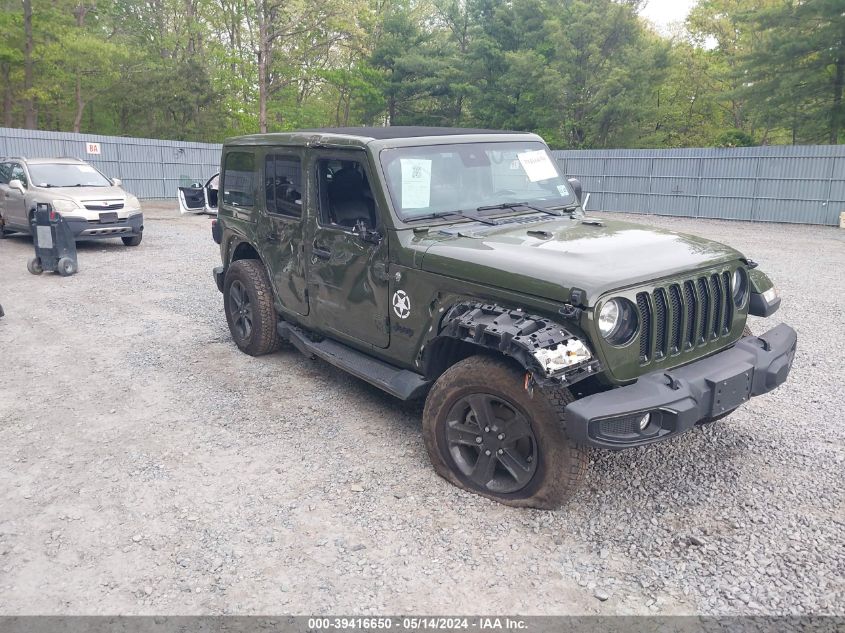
(739, 286)
(618, 321)
(609, 318)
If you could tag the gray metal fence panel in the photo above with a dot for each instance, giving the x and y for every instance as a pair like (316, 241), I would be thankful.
(800, 184)
(149, 168)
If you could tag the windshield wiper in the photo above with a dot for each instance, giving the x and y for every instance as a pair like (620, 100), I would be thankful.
(526, 205)
(472, 215)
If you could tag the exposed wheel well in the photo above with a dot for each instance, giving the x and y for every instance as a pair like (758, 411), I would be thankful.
(244, 250)
(444, 352)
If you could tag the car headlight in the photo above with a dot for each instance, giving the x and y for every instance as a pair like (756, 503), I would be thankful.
(132, 202)
(618, 321)
(65, 206)
(739, 286)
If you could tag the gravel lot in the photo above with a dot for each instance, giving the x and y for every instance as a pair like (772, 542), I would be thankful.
(149, 467)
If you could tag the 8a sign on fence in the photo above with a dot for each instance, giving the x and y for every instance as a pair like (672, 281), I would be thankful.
(93, 148)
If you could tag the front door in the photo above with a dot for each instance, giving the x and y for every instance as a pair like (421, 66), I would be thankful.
(280, 227)
(15, 212)
(347, 251)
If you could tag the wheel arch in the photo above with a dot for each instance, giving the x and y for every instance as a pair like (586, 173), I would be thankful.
(469, 329)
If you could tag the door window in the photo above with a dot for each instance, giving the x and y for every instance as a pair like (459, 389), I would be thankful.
(346, 199)
(5, 173)
(239, 179)
(19, 174)
(283, 185)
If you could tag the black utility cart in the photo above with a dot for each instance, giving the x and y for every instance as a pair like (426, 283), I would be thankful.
(55, 247)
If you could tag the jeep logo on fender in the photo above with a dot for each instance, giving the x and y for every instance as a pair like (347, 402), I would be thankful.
(401, 304)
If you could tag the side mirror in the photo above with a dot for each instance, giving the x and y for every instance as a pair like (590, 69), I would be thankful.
(117, 182)
(576, 187)
(17, 184)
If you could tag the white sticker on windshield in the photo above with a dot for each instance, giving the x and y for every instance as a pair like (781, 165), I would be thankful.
(562, 190)
(537, 165)
(416, 183)
(87, 169)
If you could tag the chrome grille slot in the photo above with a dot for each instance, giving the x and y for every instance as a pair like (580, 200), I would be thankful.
(100, 206)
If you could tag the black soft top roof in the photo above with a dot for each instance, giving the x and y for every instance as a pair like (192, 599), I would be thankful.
(403, 131)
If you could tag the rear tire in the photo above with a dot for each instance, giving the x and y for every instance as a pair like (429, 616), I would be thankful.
(66, 267)
(34, 266)
(532, 461)
(132, 240)
(248, 303)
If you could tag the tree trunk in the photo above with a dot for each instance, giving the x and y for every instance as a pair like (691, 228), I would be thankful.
(838, 113)
(263, 50)
(79, 13)
(30, 119)
(6, 76)
(80, 106)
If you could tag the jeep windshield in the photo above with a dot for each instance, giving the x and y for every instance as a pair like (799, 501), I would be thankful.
(436, 181)
(66, 175)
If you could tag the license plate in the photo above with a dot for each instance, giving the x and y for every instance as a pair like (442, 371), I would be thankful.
(107, 218)
(731, 391)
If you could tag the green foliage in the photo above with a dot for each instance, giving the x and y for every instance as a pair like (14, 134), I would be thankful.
(583, 73)
(734, 138)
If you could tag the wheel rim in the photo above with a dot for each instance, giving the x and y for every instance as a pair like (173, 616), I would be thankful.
(491, 442)
(240, 309)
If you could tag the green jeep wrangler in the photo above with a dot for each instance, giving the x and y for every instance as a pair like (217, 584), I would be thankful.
(458, 266)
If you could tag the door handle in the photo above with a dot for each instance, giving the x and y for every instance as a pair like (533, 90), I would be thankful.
(321, 253)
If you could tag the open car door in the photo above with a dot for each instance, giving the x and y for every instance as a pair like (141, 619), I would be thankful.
(199, 199)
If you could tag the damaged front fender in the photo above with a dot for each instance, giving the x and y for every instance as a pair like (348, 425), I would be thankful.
(548, 351)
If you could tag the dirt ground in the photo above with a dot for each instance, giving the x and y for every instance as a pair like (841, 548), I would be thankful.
(148, 467)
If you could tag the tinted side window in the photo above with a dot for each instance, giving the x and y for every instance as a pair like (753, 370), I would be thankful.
(239, 179)
(283, 185)
(5, 173)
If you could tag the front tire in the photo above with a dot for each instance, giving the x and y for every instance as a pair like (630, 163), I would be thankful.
(248, 302)
(485, 433)
(132, 240)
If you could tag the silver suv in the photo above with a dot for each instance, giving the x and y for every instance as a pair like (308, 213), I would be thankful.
(93, 205)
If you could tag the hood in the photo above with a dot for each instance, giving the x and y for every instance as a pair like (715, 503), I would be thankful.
(81, 194)
(549, 258)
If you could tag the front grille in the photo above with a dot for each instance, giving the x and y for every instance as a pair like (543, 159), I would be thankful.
(683, 315)
(94, 206)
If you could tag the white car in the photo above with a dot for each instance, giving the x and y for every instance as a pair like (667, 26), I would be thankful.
(93, 205)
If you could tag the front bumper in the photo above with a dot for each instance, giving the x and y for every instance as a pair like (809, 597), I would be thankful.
(677, 399)
(94, 229)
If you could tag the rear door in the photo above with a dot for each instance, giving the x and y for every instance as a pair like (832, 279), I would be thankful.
(280, 226)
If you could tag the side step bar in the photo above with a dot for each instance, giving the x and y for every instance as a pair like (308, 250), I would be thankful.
(401, 383)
